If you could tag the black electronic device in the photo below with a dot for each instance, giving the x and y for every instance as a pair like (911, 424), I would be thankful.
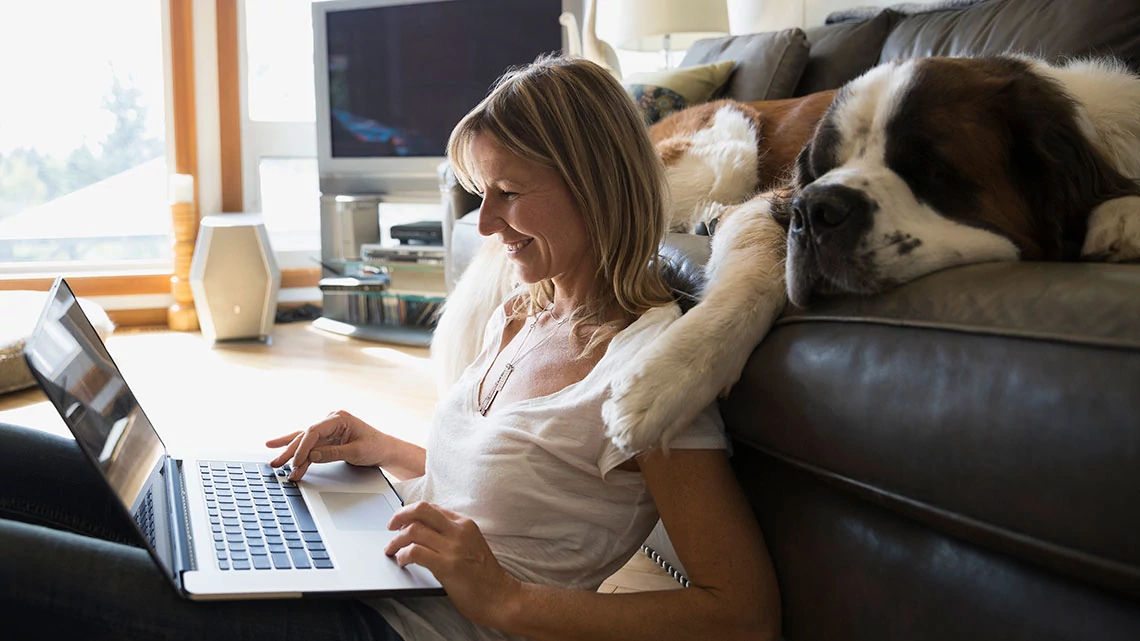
(424, 232)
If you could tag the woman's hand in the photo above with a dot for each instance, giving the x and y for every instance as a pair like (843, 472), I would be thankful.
(339, 437)
(453, 549)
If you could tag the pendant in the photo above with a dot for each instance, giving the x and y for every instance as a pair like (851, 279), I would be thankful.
(485, 406)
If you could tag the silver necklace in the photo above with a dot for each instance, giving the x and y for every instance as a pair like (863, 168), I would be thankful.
(485, 405)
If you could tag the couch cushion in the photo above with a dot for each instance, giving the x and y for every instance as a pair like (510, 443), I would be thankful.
(996, 402)
(841, 52)
(21, 311)
(768, 65)
(1054, 29)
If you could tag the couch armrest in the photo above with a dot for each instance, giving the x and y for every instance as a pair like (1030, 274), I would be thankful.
(456, 202)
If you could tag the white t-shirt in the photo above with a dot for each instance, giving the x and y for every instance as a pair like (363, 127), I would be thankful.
(538, 477)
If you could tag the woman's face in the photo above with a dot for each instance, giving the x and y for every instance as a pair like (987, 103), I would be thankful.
(531, 211)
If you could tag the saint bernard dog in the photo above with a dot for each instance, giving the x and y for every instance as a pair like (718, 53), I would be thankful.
(916, 166)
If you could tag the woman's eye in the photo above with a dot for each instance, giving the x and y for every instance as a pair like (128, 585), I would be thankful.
(509, 195)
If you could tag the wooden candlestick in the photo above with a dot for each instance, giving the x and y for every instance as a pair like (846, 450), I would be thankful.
(182, 316)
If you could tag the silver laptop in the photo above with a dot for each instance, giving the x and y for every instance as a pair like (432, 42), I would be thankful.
(218, 529)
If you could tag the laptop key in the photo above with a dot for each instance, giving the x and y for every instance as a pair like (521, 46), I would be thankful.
(281, 561)
(318, 554)
(301, 511)
(261, 563)
(241, 565)
(300, 560)
(322, 564)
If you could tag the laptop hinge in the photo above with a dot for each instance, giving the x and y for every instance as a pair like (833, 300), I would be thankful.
(181, 540)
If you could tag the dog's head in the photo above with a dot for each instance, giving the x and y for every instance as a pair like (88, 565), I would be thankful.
(930, 163)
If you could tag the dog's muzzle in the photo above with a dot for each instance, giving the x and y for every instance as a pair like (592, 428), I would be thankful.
(826, 226)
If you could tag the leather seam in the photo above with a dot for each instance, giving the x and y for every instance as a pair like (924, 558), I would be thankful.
(888, 499)
(979, 330)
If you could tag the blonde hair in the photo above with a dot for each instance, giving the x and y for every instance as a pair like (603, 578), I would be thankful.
(571, 115)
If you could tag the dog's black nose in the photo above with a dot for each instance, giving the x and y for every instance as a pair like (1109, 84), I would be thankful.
(824, 208)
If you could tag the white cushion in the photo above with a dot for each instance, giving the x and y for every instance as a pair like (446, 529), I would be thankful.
(19, 311)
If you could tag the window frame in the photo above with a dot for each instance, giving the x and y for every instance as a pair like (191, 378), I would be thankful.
(109, 278)
(267, 139)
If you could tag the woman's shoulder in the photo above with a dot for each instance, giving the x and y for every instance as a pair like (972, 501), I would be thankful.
(647, 327)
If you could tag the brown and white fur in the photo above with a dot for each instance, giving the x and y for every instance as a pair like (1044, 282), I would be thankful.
(715, 155)
(917, 166)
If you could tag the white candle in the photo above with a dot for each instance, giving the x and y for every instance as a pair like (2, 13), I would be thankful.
(181, 188)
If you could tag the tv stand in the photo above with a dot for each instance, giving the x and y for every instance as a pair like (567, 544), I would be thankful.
(393, 295)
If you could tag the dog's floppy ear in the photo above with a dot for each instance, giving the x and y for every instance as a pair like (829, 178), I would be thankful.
(782, 198)
(1060, 172)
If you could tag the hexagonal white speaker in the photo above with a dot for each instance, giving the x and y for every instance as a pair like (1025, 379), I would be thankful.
(234, 278)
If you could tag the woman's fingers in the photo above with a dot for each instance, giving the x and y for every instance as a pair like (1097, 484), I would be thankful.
(427, 513)
(416, 533)
(285, 455)
(312, 437)
(333, 439)
(282, 440)
(420, 555)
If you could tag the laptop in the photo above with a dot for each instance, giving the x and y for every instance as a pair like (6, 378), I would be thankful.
(218, 528)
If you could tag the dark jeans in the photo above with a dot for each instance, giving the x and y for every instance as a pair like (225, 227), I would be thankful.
(70, 566)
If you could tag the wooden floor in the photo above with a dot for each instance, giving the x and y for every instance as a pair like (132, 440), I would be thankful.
(244, 394)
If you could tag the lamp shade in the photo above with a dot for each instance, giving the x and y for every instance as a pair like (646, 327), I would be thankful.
(641, 25)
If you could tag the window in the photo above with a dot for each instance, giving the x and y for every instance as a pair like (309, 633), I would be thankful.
(83, 179)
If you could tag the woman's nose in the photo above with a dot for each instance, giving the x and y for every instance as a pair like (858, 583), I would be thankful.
(490, 222)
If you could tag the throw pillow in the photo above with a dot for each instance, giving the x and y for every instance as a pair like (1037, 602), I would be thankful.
(660, 93)
(841, 52)
(768, 65)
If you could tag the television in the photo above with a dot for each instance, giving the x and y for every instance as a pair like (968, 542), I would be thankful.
(394, 77)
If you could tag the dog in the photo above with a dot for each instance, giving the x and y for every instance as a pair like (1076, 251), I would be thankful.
(724, 152)
(714, 154)
(916, 166)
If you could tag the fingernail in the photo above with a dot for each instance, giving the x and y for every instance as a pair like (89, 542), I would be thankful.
(315, 456)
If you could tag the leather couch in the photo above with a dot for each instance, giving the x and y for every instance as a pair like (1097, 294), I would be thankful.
(958, 458)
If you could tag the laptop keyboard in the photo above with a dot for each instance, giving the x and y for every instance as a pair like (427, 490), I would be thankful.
(144, 517)
(259, 519)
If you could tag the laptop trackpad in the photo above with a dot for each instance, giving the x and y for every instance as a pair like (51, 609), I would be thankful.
(358, 511)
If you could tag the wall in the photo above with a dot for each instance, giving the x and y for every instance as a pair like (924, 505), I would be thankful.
(750, 16)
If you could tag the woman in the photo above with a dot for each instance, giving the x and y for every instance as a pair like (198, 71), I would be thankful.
(524, 506)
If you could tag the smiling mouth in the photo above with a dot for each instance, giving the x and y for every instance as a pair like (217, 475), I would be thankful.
(513, 248)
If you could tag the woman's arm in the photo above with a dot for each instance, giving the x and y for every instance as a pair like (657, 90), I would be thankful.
(403, 460)
(344, 437)
(733, 593)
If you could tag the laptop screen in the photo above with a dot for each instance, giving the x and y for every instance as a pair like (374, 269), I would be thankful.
(78, 375)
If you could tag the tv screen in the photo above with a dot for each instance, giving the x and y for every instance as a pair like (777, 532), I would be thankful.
(400, 76)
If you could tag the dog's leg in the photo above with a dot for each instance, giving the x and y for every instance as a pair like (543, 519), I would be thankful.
(1114, 231)
(458, 337)
(703, 353)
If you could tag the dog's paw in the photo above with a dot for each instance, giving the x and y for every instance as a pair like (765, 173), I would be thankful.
(648, 405)
(1114, 231)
